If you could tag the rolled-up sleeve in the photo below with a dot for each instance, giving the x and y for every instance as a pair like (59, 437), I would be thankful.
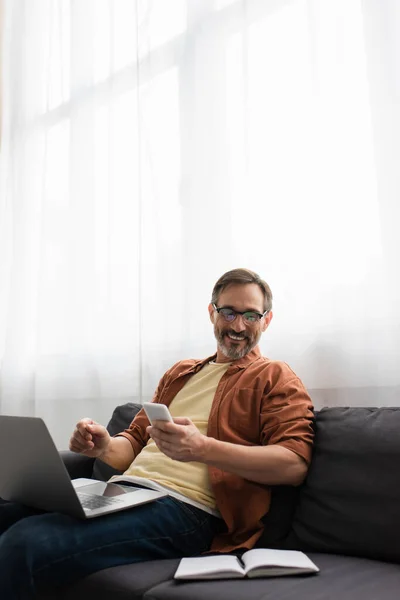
(287, 418)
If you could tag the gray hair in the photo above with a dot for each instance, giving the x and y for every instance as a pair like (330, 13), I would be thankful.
(242, 277)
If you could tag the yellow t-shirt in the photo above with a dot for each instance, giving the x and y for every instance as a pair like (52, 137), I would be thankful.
(190, 479)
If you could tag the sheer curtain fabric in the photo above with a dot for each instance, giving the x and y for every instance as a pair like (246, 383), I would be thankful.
(149, 146)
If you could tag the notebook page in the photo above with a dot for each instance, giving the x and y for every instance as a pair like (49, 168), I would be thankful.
(203, 566)
(263, 557)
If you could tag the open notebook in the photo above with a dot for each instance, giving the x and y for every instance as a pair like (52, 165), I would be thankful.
(260, 562)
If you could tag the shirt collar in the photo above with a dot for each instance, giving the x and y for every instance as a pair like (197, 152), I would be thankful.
(241, 363)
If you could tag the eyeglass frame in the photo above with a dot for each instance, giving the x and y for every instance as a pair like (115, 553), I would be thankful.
(237, 312)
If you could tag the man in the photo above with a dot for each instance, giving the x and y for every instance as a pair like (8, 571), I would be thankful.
(241, 424)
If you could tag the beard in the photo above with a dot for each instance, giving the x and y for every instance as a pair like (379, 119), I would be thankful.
(233, 352)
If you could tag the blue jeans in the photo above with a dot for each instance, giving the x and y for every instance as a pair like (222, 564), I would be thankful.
(40, 551)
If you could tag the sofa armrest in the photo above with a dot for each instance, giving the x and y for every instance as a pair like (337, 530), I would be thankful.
(77, 465)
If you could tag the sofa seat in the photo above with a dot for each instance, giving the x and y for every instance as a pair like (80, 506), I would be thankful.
(341, 578)
(128, 582)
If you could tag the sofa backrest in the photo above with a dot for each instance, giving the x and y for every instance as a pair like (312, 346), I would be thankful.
(350, 501)
(278, 520)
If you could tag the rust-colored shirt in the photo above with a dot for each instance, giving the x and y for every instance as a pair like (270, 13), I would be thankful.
(257, 402)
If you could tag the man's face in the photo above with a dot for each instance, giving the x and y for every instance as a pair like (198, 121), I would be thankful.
(238, 338)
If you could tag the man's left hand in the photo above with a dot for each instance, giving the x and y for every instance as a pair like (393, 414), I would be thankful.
(180, 440)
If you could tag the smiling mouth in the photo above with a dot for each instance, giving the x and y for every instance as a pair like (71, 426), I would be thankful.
(236, 338)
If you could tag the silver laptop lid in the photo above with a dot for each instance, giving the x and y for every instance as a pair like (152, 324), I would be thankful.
(31, 469)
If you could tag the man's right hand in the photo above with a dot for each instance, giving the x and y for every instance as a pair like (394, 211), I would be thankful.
(89, 438)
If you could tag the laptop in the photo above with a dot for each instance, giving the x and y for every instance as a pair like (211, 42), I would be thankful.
(33, 473)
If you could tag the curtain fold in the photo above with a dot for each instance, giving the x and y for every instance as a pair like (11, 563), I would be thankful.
(1, 70)
(150, 146)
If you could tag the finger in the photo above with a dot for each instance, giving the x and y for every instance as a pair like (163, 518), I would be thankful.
(166, 426)
(80, 442)
(182, 421)
(82, 427)
(153, 430)
(87, 450)
(168, 447)
(160, 435)
(96, 429)
(81, 439)
(83, 422)
(75, 447)
(171, 452)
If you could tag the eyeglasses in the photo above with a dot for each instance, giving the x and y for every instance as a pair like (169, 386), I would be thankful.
(249, 316)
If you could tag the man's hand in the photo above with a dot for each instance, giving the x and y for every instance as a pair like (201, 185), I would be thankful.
(89, 438)
(180, 440)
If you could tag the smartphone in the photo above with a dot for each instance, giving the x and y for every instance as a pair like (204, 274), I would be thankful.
(157, 412)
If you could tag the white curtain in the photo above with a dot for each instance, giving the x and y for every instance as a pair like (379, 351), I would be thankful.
(149, 146)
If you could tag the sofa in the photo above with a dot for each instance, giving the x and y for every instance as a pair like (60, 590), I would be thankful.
(345, 517)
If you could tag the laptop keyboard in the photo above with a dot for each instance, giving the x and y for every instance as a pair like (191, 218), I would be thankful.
(92, 502)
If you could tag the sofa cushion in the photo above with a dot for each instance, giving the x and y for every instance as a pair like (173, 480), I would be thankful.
(128, 582)
(340, 578)
(350, 502)
(120, 420)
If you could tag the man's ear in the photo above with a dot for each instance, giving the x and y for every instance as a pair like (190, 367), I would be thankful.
(211, 312)
(267, 320)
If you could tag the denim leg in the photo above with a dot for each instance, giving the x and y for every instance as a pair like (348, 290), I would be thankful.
(44, 551)
(11, 512)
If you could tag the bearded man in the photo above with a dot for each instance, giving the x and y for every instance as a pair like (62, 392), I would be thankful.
(242, 423)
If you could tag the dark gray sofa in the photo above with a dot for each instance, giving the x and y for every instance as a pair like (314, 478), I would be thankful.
(346, 517)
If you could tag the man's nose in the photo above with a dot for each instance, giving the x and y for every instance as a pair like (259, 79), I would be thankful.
(238, 324)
